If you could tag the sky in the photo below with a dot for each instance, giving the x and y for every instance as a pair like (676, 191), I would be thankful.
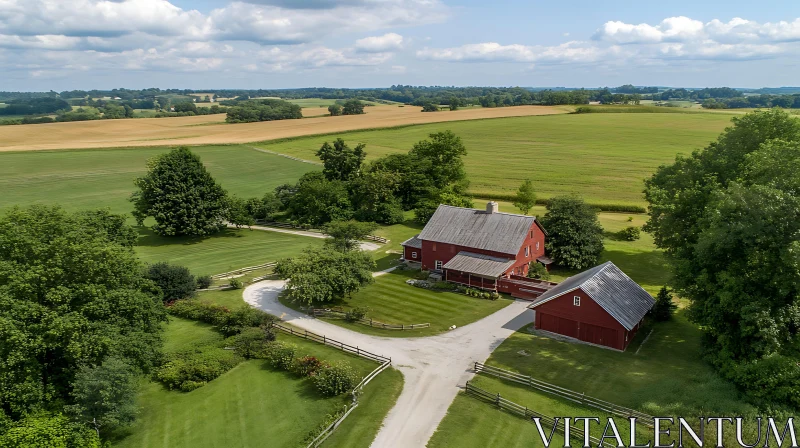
(271, 44)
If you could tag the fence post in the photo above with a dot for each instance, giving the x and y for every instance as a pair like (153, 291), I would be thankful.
(358, 352)
(370, 321)
(323, 339)
(497, 400)
(403, 326)
(306, 336)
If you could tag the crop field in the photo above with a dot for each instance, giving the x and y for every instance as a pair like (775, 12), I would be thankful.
(212, 129)
(91, 179)
(253, 404)
(603, 157)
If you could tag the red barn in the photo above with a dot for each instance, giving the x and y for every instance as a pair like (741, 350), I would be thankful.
(478, 248)
(602, 306)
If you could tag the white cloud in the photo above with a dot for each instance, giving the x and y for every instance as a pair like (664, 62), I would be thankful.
(380, 44)
(674, 38)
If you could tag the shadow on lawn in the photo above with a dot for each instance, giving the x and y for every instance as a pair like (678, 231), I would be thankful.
(149, 238)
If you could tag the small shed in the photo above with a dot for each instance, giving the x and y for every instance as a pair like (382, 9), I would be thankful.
(601, 306)
(412, 249)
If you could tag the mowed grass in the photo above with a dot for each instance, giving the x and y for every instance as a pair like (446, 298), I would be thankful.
(84, 179)
(223, 252)
(603, 157)
(252, 404)
(392, 301)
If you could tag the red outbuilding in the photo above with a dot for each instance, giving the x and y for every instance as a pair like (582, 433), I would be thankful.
(601, 306)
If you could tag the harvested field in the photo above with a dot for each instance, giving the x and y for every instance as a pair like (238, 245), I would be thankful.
(212, 129)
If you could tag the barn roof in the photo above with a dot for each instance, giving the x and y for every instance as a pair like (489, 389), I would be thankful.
(413, 242)
(614, 291)
(479, 264)
(496, 232)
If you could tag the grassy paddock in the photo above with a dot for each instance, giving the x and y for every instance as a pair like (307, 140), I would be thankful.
(223, 252)
(252, 404)
(392, 301)
(616, 151)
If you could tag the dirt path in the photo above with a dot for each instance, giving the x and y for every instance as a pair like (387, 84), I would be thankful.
(434, 367)
(212, 129)
(364, 245)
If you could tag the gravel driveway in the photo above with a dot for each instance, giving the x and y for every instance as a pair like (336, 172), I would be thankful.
(434, 367)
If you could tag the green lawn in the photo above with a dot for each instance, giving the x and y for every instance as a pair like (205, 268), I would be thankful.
(83, 179)
(392, 301)
(252, 404)
(225, 251)
(615, 151)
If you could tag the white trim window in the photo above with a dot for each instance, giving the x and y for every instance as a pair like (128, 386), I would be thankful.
(537, 245)
(414, 255)
(437, 264)
(576, 300)
(527, 251)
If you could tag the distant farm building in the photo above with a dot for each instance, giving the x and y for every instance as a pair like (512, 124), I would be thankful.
(483, 249)
(601, 306)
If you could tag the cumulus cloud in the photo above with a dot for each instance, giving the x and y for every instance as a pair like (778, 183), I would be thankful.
(380, 44)
(674, 38)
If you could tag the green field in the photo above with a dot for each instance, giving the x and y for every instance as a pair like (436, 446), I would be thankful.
(392, 301)
(252, 404)
(603, 157)
(223, 252)
(83, 179)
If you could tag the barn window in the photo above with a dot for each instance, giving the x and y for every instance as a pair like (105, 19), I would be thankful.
(527, 251)
(537, 245)
(531, 233)
(413, 255)
(438, 264)
(576, 300)
(434, 247)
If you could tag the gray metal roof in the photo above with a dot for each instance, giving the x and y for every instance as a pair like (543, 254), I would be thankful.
(497, 232)
(614, 291)
(479, 264)
(413, 242)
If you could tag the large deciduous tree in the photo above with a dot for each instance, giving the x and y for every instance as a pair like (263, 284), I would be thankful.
(316, 200)
(175, 282)
(574, 234)
(324, 276)
(180, 194)
(340, 161)
(105, 396)
(352, 107)
(728, 218)
(346, 235)
(73, 294)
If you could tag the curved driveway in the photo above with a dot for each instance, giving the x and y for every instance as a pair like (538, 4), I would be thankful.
(434, 367)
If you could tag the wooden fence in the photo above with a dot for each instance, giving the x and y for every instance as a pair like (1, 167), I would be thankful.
(523, 411)
(356, 392)
(244, 270)
(318, 312)
(286, 225)
(567, 394)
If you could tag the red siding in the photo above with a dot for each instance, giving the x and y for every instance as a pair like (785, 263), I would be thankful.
(445, 252)
(592, 322)
(412, 253)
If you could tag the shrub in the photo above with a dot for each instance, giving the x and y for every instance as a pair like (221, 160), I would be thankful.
(235, 283)
(204, 282)
(443, 286)
(306, 366)
(663, 308)
(188, 371)
(774, 379)
(335, 379)
(494, 295)
(356, 314)
(423, 274)
(175, 282)
(281, 355)
(430, 107)
(252, 343)
(630, 219)
(538, 271)
(630, 233)
(222, 318)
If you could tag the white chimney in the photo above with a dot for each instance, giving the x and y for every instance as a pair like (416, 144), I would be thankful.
(492, 207)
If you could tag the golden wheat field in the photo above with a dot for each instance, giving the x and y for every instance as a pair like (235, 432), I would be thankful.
(212, 129)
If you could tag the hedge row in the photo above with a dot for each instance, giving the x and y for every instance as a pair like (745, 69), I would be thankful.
(222, 318)
(603, 207)
(330, 379)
